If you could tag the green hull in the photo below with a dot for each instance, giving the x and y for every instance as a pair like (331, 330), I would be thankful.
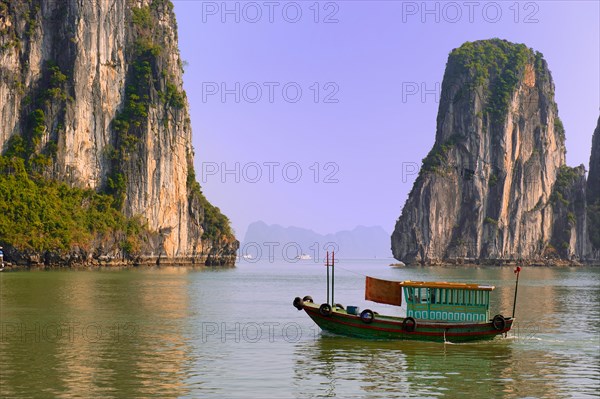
(388, 327)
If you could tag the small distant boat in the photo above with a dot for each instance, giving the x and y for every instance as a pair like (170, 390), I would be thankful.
(436, 311)
(303, 257)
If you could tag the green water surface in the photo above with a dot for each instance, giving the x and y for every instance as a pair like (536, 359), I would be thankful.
(233, 333)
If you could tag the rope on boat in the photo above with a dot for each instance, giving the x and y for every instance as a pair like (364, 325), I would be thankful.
(351, 271)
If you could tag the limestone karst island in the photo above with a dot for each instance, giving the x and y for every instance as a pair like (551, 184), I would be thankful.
(97, 158)
(495, 187)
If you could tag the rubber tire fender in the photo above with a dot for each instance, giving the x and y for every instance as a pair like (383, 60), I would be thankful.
(409, 324)
(298, 303)
(325, 309)
(499, 322)
(367, 316)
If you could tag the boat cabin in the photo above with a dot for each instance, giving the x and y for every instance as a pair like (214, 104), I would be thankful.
(441, 301)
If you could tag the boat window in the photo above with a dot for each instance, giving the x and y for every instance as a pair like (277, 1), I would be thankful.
(409, 294)
(424, 295)
(414, 293)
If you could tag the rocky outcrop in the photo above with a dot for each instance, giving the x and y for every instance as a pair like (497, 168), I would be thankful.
(568, 201)
(593, 196)
(486, 191)
(593, 182)
(91, 94)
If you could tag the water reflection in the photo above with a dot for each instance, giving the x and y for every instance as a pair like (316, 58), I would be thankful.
(94, 334)
(337, 366)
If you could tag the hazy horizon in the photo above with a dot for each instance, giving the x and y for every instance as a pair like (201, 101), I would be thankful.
(286, 226)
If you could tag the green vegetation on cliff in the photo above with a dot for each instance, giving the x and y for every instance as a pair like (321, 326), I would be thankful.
(436, 160)
(215, 225)
(498, 62)
(38, 108)
(39, 215)
(565, 179)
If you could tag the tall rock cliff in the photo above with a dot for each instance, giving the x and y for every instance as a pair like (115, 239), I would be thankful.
(568, 201)
(593, 195)
(91, 95)
(486, 191)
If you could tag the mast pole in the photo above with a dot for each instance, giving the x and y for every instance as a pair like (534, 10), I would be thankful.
(332, 277)
(517, 271)
(327, 266)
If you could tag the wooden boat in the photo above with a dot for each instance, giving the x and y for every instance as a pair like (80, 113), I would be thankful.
(436, 311)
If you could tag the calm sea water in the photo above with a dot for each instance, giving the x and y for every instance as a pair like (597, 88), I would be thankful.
(233, 333)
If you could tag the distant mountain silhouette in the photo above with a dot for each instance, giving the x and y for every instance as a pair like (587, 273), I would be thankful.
(361, 242)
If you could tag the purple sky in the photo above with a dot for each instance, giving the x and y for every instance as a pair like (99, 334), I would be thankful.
(365, 123)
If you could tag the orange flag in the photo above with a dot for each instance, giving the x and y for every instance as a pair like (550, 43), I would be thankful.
(383, 291)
